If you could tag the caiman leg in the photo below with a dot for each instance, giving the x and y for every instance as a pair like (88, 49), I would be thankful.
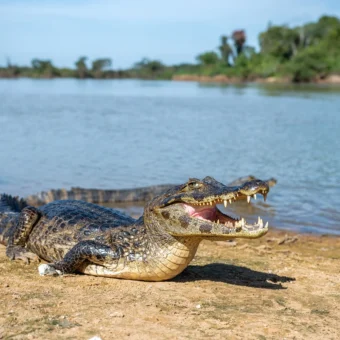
(89, 251)
(16, 250)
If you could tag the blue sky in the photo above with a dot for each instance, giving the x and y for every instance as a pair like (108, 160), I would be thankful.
(127, 30)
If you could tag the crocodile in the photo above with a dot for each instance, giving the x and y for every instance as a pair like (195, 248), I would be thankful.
(80, 237)
(110, 196)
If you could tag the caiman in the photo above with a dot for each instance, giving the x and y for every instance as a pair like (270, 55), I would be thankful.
(76, 236)
(111, 196)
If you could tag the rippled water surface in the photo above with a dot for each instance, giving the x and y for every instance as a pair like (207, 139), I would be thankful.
(128, 133)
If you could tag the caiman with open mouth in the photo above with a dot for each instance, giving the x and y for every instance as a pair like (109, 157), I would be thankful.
(76, 236)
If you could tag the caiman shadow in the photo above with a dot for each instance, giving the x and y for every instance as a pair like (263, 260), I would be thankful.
(235, 275)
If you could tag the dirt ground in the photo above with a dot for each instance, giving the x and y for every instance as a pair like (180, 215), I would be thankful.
(282, 286)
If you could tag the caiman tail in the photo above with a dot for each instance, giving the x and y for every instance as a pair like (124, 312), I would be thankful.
(10, 208)
(99, 196)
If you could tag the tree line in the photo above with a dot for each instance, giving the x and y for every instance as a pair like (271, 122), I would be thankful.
(302, 53)
(45, 69)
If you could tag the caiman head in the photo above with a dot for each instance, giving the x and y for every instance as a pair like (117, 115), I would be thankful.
(192, 209)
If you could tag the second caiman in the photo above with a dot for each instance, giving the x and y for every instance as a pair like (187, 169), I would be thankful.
(111, 196)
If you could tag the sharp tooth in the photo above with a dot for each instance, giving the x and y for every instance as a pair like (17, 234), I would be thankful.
(255, 196)
(266, 226)
(229, 201)
(225, 203)
(218, 221)
(243, 222)
(259, 220)
(248, 199)
(210, 203)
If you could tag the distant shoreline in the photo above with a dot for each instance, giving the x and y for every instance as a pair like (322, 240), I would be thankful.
(332, 79)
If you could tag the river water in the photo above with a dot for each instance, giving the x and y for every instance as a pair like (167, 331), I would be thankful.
(127, 133)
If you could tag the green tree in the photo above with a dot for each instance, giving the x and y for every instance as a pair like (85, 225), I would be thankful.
(225, 50)
(81, 68)
(155, 66)
(149, 68)
(208, 58)
(308, 65)
(279, 42)
(99, 66)
(44, 68)
(242, 67)
(305, 52)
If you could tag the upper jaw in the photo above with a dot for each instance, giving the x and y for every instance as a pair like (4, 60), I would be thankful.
(218, 193)
(227, 195)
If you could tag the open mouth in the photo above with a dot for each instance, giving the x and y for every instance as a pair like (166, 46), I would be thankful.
(209, 212)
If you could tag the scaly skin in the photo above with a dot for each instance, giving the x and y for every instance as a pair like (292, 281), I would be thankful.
(75, 236)
(101, 196)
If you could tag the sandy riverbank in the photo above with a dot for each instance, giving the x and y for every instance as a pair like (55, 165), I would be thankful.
(283, 285)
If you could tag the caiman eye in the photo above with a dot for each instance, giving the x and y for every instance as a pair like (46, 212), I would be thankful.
(194, 185)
